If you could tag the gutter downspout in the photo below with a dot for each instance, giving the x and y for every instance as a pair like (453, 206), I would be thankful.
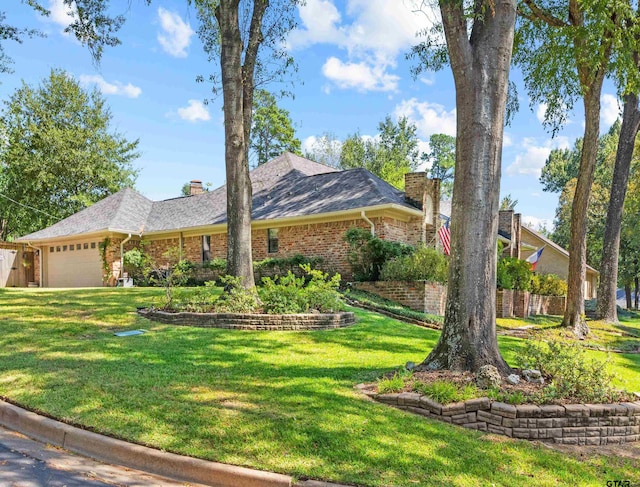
(40, 284)
(373, 227)
(122, 255)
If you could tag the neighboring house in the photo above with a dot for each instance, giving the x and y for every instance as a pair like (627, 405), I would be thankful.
(521, 241)
(299, 207)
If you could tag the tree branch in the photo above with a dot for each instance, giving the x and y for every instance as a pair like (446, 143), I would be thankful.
(538, 13)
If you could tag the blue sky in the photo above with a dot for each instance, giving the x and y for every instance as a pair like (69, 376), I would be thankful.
(352, 73)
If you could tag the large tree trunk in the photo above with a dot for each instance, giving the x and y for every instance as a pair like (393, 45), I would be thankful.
(238, 71)
(574, 316)
(607, 308)
(480, 68)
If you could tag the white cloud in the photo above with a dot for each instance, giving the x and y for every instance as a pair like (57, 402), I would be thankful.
(115, 88)
(359, 76)
(176, 34)
(541, 111)
(430, 118)
(610, 110)
(195, 112)
(532, 159)
(507, 141)
(375, 33)
(61, 14)
(429, 81)
(536, 223)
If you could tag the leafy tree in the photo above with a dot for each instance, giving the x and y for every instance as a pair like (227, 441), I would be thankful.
(59, 154)
(248, 39)
(272, 132)
(326, 150)
(565, 50)
(390, 155)
(92, 26)
(508, 203)
(443, 159)
(479, 40)
(560, 167)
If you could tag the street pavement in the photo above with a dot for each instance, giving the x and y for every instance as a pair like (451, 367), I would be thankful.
(27, 463)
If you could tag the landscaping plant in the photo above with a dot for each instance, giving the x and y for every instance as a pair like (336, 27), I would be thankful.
(367, 254)
(425, 264)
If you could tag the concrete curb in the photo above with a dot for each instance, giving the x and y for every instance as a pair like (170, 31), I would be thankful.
(111, 450)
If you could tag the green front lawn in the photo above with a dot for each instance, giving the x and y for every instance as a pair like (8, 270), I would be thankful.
(279, 401)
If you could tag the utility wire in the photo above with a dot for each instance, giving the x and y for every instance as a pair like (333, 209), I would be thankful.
(27, 206)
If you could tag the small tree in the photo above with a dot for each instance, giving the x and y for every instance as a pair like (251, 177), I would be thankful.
(272, 132)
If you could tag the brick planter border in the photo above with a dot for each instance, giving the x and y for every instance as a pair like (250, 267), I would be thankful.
(240, 321)
(571, 424)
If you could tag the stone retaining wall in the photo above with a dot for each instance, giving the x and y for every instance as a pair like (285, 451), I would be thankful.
(239, 321)
(572, 424)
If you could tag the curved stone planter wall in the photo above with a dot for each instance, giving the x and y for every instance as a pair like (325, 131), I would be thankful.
(572, 424)
(239, 321)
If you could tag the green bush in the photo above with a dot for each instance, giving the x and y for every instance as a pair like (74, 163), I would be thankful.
(292, 294)
(425, 264)
(548, 285)
(571, 374)
(216, 264)
(202, 299)
(367, 254)
(235, 298)
(513, 273)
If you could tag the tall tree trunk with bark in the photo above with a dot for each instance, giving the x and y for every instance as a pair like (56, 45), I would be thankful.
(480, 65)
(607, 307)
(237, 87)
(574, 316)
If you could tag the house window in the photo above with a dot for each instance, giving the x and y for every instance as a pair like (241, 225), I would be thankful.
(72, 247)
(64, 248)
(93, 245)
(58, 249)
(272, 238)
(78, 246)
(206, 248)
(52, 249)
(86, 246)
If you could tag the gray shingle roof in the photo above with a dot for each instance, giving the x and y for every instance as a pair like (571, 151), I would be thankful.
(287, 186)
(126, 210)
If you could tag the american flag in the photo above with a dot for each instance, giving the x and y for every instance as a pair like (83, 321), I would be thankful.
(445, 238)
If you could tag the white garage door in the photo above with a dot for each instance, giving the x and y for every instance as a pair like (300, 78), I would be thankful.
(80, 267)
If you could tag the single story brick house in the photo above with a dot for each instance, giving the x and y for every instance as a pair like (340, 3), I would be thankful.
(299, 207)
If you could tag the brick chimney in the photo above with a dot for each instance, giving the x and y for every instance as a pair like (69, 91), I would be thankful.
(195, 187)
(424, 194)
(509, 225)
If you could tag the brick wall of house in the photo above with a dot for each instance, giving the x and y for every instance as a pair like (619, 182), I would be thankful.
(521, 304)
(427, 297)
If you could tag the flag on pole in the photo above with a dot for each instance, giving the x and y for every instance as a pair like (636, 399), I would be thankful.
(445, 237)
(535, 257)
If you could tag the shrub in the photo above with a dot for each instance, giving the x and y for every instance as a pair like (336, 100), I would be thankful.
(280, 266)
(292, 294)
(235, 298)
(513, 273)
(201, 299)
(216, 264)
(367, 254)
(425, 264)
(571, 374)
(548, 285)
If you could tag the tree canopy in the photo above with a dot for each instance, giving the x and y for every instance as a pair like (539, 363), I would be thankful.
(272, 131)
(391, 154)
(442, 155)
(58, 154)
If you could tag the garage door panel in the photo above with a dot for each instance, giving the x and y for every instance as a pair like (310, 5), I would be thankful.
(74, 268)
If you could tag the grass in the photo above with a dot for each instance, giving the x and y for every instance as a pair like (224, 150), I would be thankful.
(281, 401)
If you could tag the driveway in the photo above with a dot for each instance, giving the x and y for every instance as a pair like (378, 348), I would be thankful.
(27, 463)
